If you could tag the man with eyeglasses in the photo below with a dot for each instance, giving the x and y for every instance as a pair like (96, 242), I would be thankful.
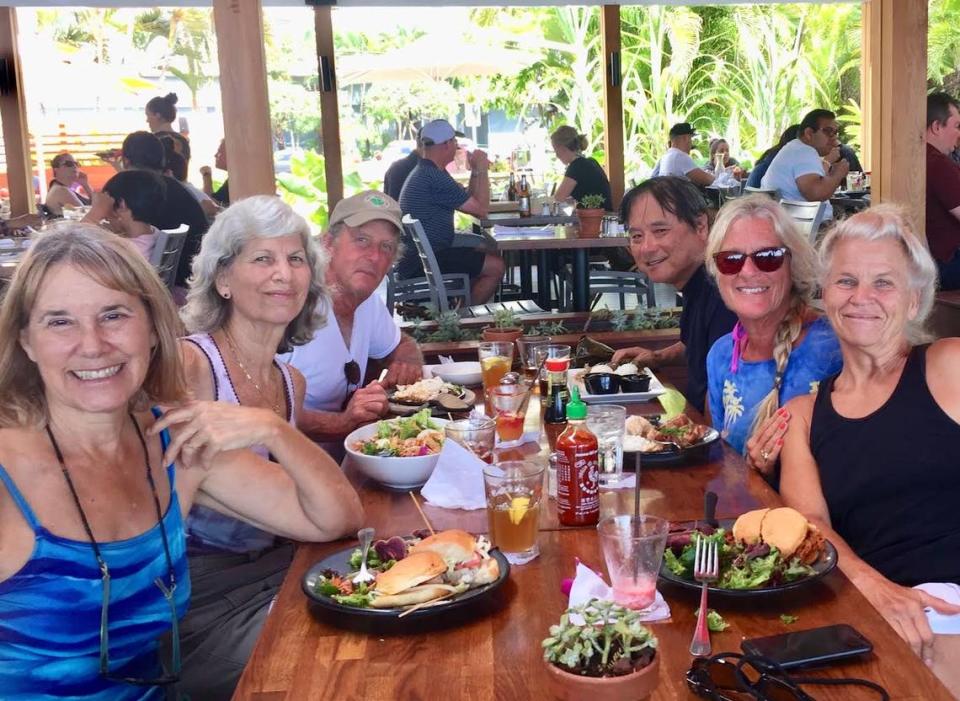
(431, 195)
(943, 187)
(363, 241)
(666, 220)
(810, 167)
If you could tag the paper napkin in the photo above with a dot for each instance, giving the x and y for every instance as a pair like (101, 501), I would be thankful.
(590, 585)
(457, 480)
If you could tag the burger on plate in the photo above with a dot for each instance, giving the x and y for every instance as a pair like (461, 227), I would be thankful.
(468, 559)
(783, 528)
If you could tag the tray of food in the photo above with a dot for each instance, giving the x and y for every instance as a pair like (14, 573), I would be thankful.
(434, 392)
(763, 552)
(415, 578)
(624, 383)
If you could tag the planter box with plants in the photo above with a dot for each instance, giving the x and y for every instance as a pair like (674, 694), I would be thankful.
(506, 327)
(602, 652)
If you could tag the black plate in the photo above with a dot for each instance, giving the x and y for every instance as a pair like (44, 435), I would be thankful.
(675, 456)
(371, 618)
(406, 402)
(854, 194)
(821, 567)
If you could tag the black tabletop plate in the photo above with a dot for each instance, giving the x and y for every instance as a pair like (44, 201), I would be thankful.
(468, 602)
(821, 567)
(666, 458)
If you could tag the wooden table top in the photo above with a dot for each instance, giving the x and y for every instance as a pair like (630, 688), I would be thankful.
(497, 654)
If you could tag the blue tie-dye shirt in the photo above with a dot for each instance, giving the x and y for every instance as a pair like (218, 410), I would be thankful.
(734, 396)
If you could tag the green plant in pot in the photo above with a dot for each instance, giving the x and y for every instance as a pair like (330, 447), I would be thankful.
(506, 327)
(590, 213)
(601, 651)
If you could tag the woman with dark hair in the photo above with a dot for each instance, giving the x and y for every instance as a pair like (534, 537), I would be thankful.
(760, 169)
(130, 202)
(583, 175)
(66, 174)
(161, 113)
(176, 168)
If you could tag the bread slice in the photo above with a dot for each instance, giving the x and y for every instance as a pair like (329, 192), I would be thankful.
(746, 529)
(784, 529)
(453, 546)
(416, 595)
(414, 569)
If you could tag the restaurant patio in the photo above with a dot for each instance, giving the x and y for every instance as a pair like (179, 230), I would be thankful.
(491, 649)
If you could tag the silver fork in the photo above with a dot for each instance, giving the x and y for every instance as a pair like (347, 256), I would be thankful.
(365, 536)
(706, 569)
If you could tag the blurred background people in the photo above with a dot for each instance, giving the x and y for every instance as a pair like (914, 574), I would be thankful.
(161, 112)
(583, 176)
(129, 202)
(222, 194)
(69, 186)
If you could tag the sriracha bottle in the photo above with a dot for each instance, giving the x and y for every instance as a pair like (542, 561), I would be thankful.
(578, 478)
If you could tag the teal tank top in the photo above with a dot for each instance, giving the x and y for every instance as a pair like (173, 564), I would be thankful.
(50, 610)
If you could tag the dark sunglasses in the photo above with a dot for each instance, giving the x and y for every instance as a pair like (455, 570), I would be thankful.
(767, 260)
(351, 371)
(733, 677)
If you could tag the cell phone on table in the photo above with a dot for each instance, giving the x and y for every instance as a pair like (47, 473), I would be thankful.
(814, 646)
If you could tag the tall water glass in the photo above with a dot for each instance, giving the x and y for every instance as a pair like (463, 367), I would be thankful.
(607, 421)
(633, 548)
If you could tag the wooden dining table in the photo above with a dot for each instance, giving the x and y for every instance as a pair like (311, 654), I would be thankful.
(494, 652)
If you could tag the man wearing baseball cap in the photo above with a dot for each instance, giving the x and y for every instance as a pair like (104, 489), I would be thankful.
(677, 160)
(363, 241)
(431, 195)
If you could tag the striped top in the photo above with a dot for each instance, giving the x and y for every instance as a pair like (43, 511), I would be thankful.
(209, 530)
(50, 610)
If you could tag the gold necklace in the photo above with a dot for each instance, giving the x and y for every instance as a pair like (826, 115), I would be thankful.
(236, 356)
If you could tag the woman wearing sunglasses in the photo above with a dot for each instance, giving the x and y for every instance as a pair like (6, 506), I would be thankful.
(766, 272)
(874, 459)
(93, 565)
(61, 192)
(253, 293)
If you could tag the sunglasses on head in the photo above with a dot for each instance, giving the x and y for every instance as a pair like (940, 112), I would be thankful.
(766, 260)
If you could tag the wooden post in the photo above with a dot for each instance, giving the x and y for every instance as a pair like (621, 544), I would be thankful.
(243, 89)
(329, 105)
(894, 91)
(13, 112)
(612, 100)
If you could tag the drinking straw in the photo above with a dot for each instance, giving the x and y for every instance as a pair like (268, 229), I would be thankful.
(635, 526)
(422, 515)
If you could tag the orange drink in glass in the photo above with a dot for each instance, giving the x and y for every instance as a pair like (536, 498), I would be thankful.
(509, 403)
(496, 359)
(514, 490)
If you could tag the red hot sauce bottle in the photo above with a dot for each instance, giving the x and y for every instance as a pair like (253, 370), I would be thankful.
(578, 479)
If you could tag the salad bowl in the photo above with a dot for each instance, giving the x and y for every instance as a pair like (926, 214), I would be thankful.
(394, 471)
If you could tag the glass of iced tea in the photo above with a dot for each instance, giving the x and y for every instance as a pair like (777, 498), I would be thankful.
(514, 490)
(496, 359)
(633, 548)
(530, 358)
(509, 403)
(476, 433)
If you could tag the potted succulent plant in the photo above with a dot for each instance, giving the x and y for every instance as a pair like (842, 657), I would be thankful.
(506, 327)
(590, 213)
(600, 651)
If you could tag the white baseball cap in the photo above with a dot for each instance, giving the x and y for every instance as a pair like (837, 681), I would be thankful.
(437, 132)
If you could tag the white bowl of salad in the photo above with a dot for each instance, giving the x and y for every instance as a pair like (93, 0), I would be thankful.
(399, 453)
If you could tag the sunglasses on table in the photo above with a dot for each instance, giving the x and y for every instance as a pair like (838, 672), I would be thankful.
(731, 676)
(766, 260)
(351, 371)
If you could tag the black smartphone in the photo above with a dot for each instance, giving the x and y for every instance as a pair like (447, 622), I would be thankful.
(809, 647)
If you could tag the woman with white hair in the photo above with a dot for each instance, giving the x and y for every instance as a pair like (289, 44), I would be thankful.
(766, 272)
(254, 292)
(874, 459)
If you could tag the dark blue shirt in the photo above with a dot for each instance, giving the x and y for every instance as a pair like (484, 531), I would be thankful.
(704, 319)
(432, 196)
(397, 173)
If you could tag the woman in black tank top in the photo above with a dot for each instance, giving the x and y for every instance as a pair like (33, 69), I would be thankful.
(874, 458)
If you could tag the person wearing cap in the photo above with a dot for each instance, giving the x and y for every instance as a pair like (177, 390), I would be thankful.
(809, 168)
(363, 241)
(677, 161)
(432, 196)
(398, 171)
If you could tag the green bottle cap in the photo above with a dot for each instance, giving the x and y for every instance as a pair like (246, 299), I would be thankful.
(576, 409)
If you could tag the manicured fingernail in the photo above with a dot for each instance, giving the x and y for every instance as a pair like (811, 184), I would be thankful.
(782, 411)
(783, 425)
(779, 441)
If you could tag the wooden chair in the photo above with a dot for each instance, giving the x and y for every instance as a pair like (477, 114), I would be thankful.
(436, 288)
(808, 215)
(166, 254)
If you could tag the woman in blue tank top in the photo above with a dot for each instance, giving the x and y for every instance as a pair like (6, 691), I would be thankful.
(874, 459)
(92, 545)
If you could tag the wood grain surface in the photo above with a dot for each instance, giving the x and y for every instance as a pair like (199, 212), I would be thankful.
(496, 653)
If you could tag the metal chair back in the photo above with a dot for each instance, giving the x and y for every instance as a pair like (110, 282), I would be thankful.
(166, 254)
(436, 287)
(772, 193)
(808, 215)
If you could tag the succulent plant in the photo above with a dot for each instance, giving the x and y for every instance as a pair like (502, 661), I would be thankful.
(600, 639)
(504, 318)
(591, 202)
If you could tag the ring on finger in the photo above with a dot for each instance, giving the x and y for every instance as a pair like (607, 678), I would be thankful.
(765, 455)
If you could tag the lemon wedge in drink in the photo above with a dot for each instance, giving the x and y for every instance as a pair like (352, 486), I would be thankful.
(518, 508)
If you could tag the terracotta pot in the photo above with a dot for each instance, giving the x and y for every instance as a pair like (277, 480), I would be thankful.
(573, 687)
(507, 334)
(590, 221)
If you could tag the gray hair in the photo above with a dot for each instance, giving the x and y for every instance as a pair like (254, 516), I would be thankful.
(261, 216)
(803, 280)
(891, 222)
